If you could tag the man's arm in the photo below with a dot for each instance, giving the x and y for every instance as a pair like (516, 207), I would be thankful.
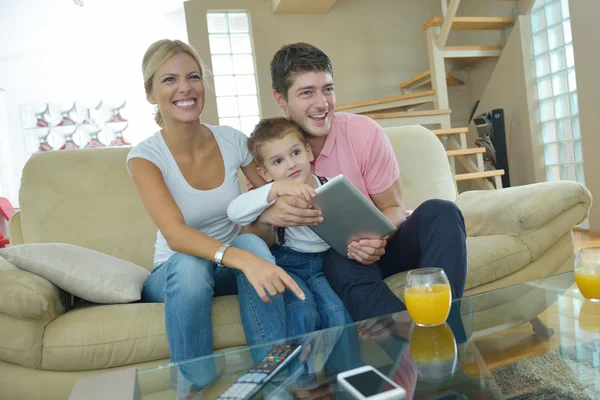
(390, 203)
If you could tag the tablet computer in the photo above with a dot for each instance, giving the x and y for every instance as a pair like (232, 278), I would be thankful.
(347, 215)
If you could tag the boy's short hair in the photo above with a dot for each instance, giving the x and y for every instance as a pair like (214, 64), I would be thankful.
(294, 58)
(271, 129)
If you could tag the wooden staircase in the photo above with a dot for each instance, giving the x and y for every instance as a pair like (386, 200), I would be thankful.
(431, 87)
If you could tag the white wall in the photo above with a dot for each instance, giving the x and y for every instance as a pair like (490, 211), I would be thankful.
(56, 51)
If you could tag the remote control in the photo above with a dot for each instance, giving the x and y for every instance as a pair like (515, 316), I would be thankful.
(250, 383)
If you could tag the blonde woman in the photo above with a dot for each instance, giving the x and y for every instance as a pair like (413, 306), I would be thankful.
(186, 175)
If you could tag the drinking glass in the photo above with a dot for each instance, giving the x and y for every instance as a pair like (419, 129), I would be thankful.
(427, 296)
(587, 272)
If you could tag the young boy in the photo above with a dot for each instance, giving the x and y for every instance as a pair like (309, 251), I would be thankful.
(283, 157)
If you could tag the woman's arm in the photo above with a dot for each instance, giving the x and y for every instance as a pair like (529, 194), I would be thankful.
(167, 216)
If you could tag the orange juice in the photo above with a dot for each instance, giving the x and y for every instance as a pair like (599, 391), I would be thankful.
(432, 344)
(588, 282)
(428, 305)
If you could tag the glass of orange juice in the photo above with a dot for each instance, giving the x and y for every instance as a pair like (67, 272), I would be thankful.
(587, 272)
(427, 296)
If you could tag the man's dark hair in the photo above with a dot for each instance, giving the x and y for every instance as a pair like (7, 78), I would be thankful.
(294, 58)
(271, 129)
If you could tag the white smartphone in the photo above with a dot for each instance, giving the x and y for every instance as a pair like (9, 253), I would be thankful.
(367, 383)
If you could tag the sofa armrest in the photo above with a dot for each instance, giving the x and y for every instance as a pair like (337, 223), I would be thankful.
(30, 297)
(522, 209)
(15, 231)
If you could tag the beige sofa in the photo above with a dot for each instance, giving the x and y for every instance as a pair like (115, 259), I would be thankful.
(87, 198)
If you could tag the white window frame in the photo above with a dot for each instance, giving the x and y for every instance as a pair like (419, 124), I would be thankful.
(234, 69)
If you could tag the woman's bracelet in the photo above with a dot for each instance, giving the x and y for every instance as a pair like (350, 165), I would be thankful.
(220, 253)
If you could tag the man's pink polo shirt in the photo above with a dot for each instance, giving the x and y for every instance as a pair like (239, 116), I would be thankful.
(358, 148)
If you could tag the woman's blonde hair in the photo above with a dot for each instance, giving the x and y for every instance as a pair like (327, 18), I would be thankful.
(156, 55)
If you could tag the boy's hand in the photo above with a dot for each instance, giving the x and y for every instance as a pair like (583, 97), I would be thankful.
(291, 188)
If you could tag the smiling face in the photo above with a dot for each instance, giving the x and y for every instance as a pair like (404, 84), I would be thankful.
(178, 89)
(286, 158)
(310, 102)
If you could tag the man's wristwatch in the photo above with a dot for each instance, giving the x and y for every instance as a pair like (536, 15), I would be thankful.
(220, 253)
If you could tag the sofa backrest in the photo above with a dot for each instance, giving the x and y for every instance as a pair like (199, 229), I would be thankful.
(87, 198)
(424, 169)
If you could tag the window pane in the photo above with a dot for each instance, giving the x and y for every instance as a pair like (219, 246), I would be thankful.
(560, 83)
(233, 122)
(540, 43)
(572, 80)
(568, 172)
(566, 152)
(248, 105)
(558, 60)
(555, 37)
(245, 84)
(539, 4)
(547, 110)
(567, 31)
(561, 106)
(580, 176)
(574, 104)
(240, 43)
(549, 131)
(553, 13)
(576, 129)
(544, 88)
(248, 124)
(222, 65)
(225, 86)
(538, 20)
(238, 22)
(570, 56)
(227, 106)
(578, 152)
(551, 153)
(243, 64)
(217, 22)
(553, 173)
(219, 44)
(565, 131)
(542, 65)
(565, 8)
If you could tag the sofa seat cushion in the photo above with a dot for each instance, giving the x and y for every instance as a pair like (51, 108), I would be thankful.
(489, 258)
(493, 257)
(104, 336)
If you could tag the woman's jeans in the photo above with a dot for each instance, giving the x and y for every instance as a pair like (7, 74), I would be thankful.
(187, 285)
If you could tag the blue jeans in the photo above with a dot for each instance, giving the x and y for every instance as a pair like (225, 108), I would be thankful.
(187, 285)
(322, 308)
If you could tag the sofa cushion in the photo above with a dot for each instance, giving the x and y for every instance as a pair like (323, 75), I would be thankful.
(494, 257)
(105, 336)
(86, 273)
(21, 341)
(488, 257)
(29, 297)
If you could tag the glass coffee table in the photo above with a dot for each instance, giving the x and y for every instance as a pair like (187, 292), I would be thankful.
(537, 340)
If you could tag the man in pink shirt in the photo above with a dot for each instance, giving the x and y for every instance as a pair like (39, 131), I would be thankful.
(357, 147)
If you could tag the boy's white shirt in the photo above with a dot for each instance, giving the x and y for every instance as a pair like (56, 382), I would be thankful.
(247, 207)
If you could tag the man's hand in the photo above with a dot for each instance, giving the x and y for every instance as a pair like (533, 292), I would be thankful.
(367, 251)
(269, 279)
(289, 187)
(291, 211)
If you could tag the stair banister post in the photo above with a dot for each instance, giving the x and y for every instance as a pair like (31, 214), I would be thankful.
(447, 25)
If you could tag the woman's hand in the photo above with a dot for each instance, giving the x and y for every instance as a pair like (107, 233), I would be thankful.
(289, 187)
(269, 279)
(367, 251)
